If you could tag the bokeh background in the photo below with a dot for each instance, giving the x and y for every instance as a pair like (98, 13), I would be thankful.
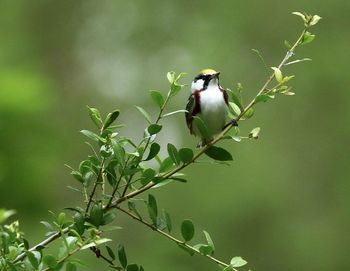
(283, 204)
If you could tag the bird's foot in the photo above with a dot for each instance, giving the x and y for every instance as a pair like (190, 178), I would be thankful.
(233, 122)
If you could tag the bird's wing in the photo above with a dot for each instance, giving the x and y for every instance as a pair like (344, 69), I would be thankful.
(224, 92)
(192, 108)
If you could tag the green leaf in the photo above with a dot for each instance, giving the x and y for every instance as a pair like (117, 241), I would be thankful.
(154, 129)
(218, 153)
(71, 266)
(122, 256)
(209, 241)
(234, 98)
(154, 150)
(262, 98)
(5, 214)
(315, 20)
(111, 174)
(174, 112)
(111, 117)
(61, 218)
(278, 74)
(166, 164)
(108, 218)
(254, 133)
(102, 241)
(157, 97)
(237, 262)
(186, 155)
(204, 249)
(171, 77)
(202, 127)
(249, 113)
(167, 220)
(147, 175)
(119, 151)
(32, 259)
(152, 208)
(132, 207)
(50, 261)
(173, 153)
(145, 114)
(77, 175)
(110, 253)
(301, 15)
(96, 215)
(95, 116)
(286, 43)
(174, 89)
(93, 136)
(235, 109)
(132, 267)
(47, 225)
(307, 38)
(187, 230)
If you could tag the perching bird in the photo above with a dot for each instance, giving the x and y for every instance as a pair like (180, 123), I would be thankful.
(209, 101)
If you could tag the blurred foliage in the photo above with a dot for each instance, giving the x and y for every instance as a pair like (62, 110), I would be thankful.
(284, 201)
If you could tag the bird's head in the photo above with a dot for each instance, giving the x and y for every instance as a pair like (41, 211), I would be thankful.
(205, 78)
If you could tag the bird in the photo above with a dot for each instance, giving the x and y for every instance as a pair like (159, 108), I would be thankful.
(209, 101)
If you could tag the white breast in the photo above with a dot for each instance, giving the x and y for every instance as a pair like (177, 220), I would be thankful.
(213, 109)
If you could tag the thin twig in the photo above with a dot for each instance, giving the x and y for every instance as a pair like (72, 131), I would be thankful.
(170, 237)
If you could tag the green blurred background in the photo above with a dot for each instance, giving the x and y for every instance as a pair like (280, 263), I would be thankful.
(283, 204)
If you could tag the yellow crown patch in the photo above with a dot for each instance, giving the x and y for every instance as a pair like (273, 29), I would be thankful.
(207, 71)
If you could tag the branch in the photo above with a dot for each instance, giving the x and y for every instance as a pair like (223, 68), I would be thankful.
(170, 237)
(217, 138)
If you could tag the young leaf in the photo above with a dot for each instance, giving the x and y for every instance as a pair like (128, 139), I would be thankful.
(235, 109)
(237, 262)
(145, 114)
(157, 97)
(249, 113)
(218, 153)
(234, 98)
(122, 256)
(152, 208)
(186, 155)
(254, 133)
(166, 164)
(173, 153)
(95, 116)
(307, 38)
(154, 150)
(204, 249)
(175, 112)
(209, 241)
(171, 77)
(111, 117)
(262, 98)
(154, 129)
(315, 20)
(278, 74)
(187, 230)
(302, 16)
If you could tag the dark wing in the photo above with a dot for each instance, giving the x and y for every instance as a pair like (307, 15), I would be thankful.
(224, 92)
(192, 108)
